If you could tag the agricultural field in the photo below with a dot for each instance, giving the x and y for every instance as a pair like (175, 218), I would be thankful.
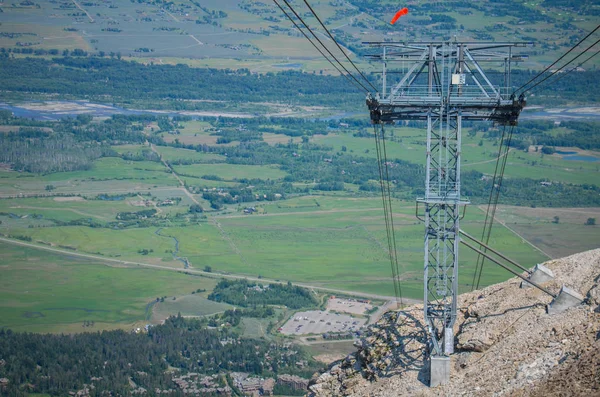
(231, 172)
(342, 240)
(62, 208)
(173, 154)
(346, 245)
(557, 231)
(194, 305)
(52, 292)
(257, 36)
(110, 174)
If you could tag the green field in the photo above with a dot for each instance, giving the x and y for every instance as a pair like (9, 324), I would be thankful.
(231, 171)
(119, 169)
(345, 248)
(66, 208)
(569, 236)
(478, 154)
(44, 291)
(109, 174)
(339, 244)
(104, 241)
(188, 306)
(328, 241)
(257, 327)
(172, 154)
(333, 240)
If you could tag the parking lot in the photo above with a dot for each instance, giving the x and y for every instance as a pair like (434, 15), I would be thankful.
(353, 306)
(320, 322)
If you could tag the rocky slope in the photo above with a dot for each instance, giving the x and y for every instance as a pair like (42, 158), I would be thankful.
(507, 345)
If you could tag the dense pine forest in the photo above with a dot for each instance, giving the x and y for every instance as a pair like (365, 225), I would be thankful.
(114, 361)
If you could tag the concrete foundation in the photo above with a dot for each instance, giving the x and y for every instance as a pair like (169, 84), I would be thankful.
(540, 274)
(440, 371)
(448, 341)
(566, 298)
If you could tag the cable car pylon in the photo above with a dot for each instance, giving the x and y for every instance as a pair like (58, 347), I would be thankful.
(443, 86)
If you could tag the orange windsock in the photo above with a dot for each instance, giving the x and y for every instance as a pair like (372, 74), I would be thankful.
(400, 13)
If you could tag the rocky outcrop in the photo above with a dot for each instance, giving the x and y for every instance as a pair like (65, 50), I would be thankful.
(475, 341)
(507, 344)
(593, 296)
(393, 345)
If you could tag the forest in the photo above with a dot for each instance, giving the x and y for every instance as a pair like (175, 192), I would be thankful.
(120, 80)
(113, 361)
(248, 294)
(584, 134)
(70, 144)
(95, 76)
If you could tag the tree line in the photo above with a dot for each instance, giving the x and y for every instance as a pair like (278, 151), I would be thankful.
(74, 144)
(120, 79)
(113, 78)
(332, 170)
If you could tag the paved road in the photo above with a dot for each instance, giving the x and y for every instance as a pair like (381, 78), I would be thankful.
(197, 41)
(87, 192)
(333, 211)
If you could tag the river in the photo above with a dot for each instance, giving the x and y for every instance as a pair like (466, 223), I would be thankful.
(56, 110)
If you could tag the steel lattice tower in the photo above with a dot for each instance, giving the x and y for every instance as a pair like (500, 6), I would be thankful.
(443, 85)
